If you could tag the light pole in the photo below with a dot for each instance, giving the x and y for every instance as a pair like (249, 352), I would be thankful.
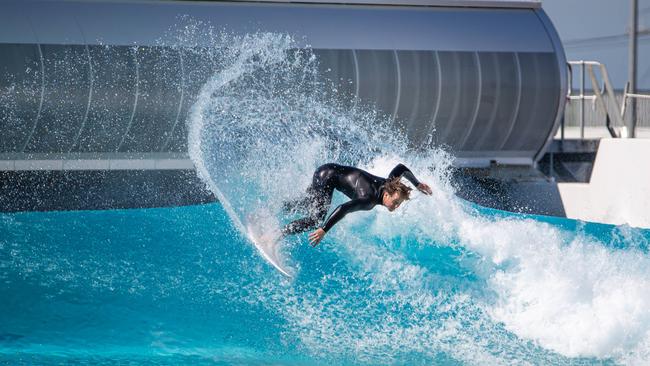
(631, 122)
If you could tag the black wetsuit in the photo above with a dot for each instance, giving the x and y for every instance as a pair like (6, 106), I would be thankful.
(364, 189)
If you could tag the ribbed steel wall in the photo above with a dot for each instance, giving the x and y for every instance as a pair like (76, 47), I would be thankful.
(489, 82)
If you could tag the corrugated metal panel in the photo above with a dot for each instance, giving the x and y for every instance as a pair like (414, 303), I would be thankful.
(487, 81)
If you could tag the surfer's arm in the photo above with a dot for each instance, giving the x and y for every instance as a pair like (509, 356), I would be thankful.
(336, 216)
(400, 170)
(359, 204)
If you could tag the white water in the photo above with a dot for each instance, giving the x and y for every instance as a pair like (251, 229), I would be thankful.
(265, 121)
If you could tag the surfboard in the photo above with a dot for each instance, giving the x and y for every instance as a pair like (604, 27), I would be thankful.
(265, 235)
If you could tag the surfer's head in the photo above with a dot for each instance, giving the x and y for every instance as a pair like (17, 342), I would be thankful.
(395, 192)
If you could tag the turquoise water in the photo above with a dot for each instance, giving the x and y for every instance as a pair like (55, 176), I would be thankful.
(160, 284)
(439, 281)
(182, 286)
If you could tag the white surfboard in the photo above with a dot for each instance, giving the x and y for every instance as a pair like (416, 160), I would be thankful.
(265, 234)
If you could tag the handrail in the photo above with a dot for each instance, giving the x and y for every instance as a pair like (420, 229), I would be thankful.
(627, 95)
(641, 96)
(600, 93)
(618, 115)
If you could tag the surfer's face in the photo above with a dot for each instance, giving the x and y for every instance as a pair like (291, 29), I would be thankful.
(392, 201)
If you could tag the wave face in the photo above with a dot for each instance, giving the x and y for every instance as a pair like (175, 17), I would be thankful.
(440, 281)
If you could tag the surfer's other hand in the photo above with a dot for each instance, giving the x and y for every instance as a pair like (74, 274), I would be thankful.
(316, 237)
(424, 188)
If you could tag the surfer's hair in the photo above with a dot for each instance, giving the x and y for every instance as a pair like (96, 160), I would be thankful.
(393, 185)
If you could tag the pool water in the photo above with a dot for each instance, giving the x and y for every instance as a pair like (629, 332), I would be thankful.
(182, 286)
(440, 281)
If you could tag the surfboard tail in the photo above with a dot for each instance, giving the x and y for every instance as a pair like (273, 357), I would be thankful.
(263, 230)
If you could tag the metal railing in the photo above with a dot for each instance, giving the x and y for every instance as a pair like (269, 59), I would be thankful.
(599, 96)
(606, 103)
(627, 94)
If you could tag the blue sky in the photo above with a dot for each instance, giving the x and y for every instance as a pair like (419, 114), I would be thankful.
(596, 30)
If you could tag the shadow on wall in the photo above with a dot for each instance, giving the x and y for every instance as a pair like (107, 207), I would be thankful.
(510, 188)
(100, 189)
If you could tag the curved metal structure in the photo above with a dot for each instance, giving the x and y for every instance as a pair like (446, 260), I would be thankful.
(86, 82)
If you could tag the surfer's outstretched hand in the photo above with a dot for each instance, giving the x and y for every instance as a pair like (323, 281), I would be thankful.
(424, 188)
(316, 237)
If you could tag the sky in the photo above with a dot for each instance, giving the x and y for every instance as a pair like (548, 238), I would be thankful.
(597, 30)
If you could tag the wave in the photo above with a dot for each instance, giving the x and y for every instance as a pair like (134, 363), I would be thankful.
(438, 281)
(269, 119)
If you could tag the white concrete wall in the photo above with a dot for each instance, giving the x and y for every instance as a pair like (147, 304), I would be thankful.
(619, 189)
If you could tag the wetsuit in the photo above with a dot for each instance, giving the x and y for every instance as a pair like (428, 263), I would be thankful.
(364, 189)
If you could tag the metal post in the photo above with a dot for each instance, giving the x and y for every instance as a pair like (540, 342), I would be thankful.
(552, 169)
(582, 100)
(631, 122)
(569, 70)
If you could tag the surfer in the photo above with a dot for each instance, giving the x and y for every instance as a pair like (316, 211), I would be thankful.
(364, 190)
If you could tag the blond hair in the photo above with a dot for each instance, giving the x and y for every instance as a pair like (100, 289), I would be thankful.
(393, 185)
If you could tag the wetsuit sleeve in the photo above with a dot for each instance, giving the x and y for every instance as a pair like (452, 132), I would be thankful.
(400, 170)
(359, 204)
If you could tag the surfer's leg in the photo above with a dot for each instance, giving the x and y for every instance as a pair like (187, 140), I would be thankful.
(300, 225)
(305, 223)
(317, 211)
(299, 204)
(318, 187)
